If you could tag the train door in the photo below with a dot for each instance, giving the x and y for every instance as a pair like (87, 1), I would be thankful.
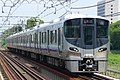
(88, 37)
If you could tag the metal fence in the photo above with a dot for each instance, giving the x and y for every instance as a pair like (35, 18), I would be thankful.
(115, 66)
(113, 70)
(113, 73)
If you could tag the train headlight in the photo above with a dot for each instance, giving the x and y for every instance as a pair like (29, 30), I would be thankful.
(102, 49)
(73, 49)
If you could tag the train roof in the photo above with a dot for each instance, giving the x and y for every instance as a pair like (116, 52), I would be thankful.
(72, 16)
(63, 18)
(28, 31)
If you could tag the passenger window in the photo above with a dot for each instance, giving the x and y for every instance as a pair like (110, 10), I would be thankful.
(30, 38)
(32, 41)
(48, 37)
(40, 37)
(53, 36)
(59, 36)
(44, 37)
(36, 38)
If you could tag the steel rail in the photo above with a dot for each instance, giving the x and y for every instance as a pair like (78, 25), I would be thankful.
(7, 70)
(27, 70)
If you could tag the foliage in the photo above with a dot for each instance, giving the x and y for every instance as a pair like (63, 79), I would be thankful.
(114, 60)
(17, 28)
(14, 29)
(3, 43)
(33, 22)
(8, 32)
(115, 36)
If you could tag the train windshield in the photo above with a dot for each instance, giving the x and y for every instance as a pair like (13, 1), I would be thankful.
(102, 28)
(84, 32)
(72, 28)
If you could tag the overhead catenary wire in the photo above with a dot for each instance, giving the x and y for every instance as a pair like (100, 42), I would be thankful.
(63, 5)
(92, 5)
(59, 9)
(10, 11)
(18, 7)
(49, 8)
(14, 4)
(54, 6)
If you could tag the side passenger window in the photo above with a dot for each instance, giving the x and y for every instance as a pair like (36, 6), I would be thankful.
(44, 37)
(53, 36)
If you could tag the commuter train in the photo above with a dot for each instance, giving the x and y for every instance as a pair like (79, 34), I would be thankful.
(75, 42)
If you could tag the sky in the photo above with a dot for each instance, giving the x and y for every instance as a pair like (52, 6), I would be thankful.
(33, 9)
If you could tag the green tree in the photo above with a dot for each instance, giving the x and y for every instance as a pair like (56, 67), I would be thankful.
(17, 28)
(8, 32)
(32, 22)
(115, 35)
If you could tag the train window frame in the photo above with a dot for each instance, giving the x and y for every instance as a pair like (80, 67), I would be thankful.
(76, 28)
(30, 38)
(51, 33)
(35, 38)
(88, 35)
(102, 28)
(59, 36)
(53, 36)
(43, 37)
(40, 38)
(48, 37)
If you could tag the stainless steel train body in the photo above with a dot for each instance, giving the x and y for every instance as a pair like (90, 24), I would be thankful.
(76, 43)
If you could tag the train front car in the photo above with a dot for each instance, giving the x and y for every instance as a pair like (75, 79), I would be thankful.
(87, 44)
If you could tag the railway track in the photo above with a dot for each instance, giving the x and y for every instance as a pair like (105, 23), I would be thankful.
(32, 75)
(23, 73)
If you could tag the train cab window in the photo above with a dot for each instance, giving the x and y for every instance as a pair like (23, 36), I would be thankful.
(72, 28)
(88, 32)
(102, 28)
